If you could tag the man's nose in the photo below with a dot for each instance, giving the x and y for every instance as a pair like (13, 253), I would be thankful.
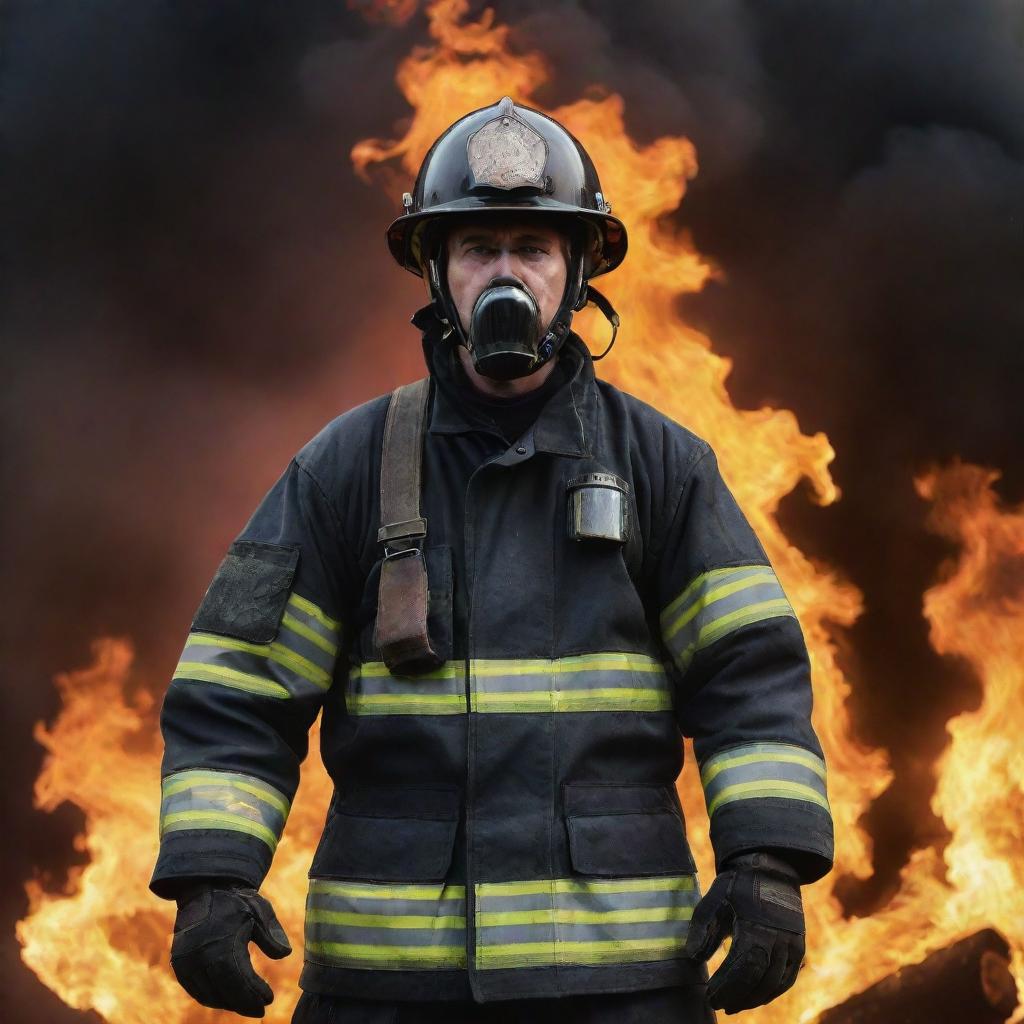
(506, 265)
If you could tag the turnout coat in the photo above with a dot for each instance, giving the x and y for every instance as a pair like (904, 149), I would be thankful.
(506, 826)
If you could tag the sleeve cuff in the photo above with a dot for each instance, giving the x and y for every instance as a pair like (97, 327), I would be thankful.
(802, 836)
(208, 853)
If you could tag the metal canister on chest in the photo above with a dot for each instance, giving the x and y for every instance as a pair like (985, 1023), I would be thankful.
(598, 508)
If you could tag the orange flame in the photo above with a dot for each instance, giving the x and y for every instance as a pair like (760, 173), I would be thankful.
(103, 942)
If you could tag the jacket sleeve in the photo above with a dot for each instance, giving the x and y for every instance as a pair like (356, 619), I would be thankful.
(743, 684)
(258, 660)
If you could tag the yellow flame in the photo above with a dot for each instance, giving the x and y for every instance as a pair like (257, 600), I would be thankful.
(103, 942)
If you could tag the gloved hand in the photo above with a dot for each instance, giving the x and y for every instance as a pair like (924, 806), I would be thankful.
(756, 899)
(210, 949)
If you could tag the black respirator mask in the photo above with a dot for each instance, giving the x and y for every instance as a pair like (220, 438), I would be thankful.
(506, 337)
(505, 331)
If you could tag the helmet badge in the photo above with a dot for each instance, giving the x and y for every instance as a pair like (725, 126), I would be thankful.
(507, 153)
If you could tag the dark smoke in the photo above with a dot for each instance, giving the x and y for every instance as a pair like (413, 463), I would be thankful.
(194, 281)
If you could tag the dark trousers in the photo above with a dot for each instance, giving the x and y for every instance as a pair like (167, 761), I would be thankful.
(655, 1006)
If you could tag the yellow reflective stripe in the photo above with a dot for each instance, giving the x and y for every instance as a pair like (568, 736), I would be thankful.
(183, 820)
(407, 704)
(275, 651)
(512, 667)
(378, 670)
(383, 920)
(612, 697)
(196, 670)
(606, 661)
(669, 883)
(190, 780)
(768, 787)
(404, 698)
(609, 661)
(605, 951)
(520, 700)
(310, 634)
(608, 698)
(307, 606)
(640, 915)
(743, 616)
(701, 580)
(716, 766)
(716, 595)
(454, 956)
(374, 890)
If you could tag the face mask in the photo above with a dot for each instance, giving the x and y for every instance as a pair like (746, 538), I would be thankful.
(506, 338)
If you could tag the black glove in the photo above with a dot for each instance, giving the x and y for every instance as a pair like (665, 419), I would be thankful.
(210, 949)
(756, 899)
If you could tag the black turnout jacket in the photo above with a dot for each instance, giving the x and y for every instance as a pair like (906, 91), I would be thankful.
(506, 826)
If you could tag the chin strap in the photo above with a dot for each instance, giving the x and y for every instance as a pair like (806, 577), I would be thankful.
(594, 296)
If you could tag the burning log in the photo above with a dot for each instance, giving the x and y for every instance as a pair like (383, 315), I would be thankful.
(969, 981)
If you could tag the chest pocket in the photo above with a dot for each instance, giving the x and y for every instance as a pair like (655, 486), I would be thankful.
(438, 560)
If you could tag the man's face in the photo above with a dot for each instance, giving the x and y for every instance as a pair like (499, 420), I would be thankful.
(524, 248)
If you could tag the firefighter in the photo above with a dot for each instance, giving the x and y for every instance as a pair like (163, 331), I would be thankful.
(510, 589)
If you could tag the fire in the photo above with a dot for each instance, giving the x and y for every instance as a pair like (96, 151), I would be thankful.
(977, 613)
(103, 942)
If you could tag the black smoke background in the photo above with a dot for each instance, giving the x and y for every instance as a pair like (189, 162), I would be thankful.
(194, 281)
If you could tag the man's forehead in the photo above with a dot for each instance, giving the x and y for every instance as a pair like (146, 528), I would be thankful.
(518, 227)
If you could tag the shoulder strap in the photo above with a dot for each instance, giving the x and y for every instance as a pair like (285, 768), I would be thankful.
(401, 462)
(401, 632)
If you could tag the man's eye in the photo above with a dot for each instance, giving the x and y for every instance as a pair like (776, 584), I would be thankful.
(479, 250)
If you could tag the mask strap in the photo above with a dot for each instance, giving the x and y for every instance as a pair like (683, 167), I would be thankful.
(558, 328)
(575, 296)
(594, 296)
(441, 297)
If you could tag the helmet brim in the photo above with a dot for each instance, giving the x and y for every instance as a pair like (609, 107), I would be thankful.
(405, 233)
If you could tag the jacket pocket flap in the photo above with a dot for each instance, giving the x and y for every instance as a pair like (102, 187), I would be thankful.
(612, 798)
(433, 804)
(247, 596)
(389, 835)
(625, 830)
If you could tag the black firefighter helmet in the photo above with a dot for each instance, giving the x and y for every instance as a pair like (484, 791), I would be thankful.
(509, 159)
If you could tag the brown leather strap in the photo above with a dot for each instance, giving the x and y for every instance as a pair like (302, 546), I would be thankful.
(400, 631)
(401, 462)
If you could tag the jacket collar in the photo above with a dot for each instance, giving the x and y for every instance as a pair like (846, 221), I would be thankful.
(564, 425)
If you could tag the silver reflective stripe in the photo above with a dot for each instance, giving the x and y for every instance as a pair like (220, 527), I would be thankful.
(203, 799)
(566, 921)
(299, 663)
(308, 620)
(758, 770)
(379, 926)
(604, 681)
(718, 602)
(373, 690)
